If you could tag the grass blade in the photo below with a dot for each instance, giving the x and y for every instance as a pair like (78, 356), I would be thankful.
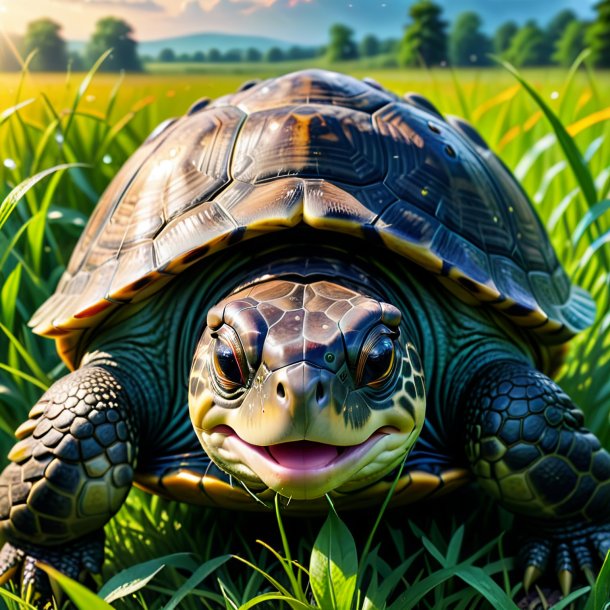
(135, 577)
(32, 364)
(12, 199)
(24, 376)
(6, 114)
(589, 219)
(83, 598)
(571, 151)
(202, 572)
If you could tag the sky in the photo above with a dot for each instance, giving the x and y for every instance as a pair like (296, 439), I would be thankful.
(299, 21)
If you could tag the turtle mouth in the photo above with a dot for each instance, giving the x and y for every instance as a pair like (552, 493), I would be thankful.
(300, 468)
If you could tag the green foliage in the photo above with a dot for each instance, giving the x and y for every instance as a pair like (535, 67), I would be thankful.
(468, 45)
(43, 38)
(214, 55)
(232, 55)
(503, 37)
(341, 45)
(570, 44)
(167, 55)
(253, 54)
(274, 54)
(333, 565)
(425, 38)
(370, 46)
(113, 33)
(598, 36)
(528, 47)
(557, 26)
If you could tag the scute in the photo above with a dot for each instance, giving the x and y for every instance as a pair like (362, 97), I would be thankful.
(336, 154)
(309, 87)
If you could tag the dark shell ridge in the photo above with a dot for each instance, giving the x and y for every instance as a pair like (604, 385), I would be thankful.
(335, 153)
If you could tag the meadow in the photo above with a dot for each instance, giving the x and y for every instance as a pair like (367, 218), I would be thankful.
(63, 137)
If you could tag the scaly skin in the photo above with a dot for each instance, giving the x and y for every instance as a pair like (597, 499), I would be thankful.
(69, 474)
(527, 446)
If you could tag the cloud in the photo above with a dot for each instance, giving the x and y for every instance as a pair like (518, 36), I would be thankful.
(138, 5)
(245, 7)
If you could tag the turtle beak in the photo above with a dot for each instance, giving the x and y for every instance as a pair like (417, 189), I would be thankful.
(300, 392)
(292, 404)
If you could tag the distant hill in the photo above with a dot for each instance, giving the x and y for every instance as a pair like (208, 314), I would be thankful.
(201, 42)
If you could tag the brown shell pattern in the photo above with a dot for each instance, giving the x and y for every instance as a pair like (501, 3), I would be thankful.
(337, 154)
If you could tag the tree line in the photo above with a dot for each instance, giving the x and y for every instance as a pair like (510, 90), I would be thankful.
(428, 39)
(49, 50)
(251, 54)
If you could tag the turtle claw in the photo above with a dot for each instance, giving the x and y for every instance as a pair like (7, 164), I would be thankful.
(565, 578)
(23, 561)
(535, 556)
(570, 549)
(532, 574)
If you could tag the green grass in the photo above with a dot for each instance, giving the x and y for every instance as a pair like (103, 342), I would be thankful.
(428, 557)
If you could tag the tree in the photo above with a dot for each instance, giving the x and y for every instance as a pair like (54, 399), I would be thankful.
(467, 44)
(425, 39)
(199, 56)
(232, 55)
(295, 53)
(274, 54)
(214, 55)
(528, 46)
(389, 45)
(555, 30)
(341, 45)
(369, 46)
(571, 43)
(167, 55)
(504, 36)
(43, 37)
(598, 36)
(253, 54)
(557, 26)
(113, 33)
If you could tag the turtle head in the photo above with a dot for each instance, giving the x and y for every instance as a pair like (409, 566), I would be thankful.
(305, 388)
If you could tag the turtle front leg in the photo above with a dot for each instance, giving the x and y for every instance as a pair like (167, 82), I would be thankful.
(69, 473)
(527, 446)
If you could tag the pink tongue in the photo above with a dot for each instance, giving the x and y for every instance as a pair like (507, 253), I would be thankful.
(303, 455)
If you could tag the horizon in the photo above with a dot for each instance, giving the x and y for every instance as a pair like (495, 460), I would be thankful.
(299, 22)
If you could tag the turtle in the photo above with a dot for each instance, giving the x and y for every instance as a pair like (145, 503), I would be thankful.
(309, 287)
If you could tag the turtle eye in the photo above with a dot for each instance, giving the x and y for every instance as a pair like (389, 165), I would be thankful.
(229, 361)
(377, 357)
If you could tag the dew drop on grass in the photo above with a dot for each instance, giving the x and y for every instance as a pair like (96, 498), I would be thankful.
(9, 164)
(554, 95)
(107, 159)
(59, 138)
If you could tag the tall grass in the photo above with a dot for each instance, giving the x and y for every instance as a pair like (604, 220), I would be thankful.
(62, 138)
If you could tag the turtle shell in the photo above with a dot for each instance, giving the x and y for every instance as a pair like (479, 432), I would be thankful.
(332, 152)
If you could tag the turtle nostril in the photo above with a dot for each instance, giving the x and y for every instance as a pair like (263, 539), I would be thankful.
(281, 392)
(319, 392)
